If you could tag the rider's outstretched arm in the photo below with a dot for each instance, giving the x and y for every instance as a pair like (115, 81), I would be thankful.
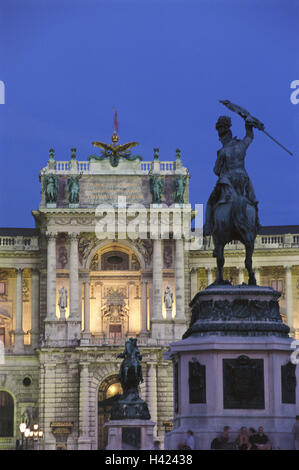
(249, 135)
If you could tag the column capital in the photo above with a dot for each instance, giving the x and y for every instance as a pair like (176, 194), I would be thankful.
(74, 236)
(193, 270)
(35, 271)
(19, 269)
(51, 236)
(288, 267)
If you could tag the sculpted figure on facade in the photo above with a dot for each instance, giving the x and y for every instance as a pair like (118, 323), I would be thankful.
(62, 301)
(168, 297)
(50, 188)
(157, 184)
(73, 189)
(180, 186)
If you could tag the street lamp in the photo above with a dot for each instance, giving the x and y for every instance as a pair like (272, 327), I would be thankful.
(22, 428)
(27, 434)
(37, 435)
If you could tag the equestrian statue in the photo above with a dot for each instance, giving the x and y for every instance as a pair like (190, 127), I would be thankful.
(232, 208)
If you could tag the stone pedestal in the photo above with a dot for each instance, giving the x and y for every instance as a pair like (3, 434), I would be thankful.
(131, 434)
(62, 333)
(233, 368)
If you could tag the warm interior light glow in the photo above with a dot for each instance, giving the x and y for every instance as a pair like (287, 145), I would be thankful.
(113, 390)
(40, 434)
(31, 433)
(35, 427)
(27, 432)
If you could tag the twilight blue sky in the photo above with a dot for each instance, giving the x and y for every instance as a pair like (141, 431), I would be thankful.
(164, 65)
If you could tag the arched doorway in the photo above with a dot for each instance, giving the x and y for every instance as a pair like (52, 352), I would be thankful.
(109, 391)
(6, 414)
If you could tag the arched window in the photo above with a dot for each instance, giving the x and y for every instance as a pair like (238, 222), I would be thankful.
(6, 414)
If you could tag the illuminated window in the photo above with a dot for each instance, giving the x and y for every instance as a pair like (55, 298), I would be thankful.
(6, 414)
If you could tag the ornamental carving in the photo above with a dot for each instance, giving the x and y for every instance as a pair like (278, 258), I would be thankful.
(145, 247)
(86, 245)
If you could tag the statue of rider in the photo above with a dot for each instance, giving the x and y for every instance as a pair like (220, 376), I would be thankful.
(233, 179)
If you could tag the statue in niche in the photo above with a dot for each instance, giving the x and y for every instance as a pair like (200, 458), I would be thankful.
(157, 184)
(73, 189)
(50, 188)
(62, 301)
(180, 185)
(168, 298)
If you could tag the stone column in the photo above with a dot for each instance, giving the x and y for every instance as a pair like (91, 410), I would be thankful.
(179, 280)
(210, 275)
(240, 275)
(84, 441)
(257, 273)
(194, 281)
(19, 333)
(74, 277)
(157, 280)
(51, 277)
(289, 297)
(35, 308)
(87, 307)
(48, 399)
(144, 308)
(152, 392)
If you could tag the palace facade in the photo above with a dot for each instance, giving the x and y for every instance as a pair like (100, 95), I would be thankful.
(59, 347)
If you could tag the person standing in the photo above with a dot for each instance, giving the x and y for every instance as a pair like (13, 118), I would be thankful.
(190, 442)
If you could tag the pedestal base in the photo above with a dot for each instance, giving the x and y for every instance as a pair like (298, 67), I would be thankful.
(19, 342)
(168, 330)
(233, 368)
(62, 333)
(131, 434)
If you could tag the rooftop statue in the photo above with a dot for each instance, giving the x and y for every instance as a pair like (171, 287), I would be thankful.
(114, 152)
(180, 186)
(50, 188)
(157, 184)
(73, 189)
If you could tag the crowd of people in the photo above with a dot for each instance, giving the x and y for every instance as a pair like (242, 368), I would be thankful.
(251, 440)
